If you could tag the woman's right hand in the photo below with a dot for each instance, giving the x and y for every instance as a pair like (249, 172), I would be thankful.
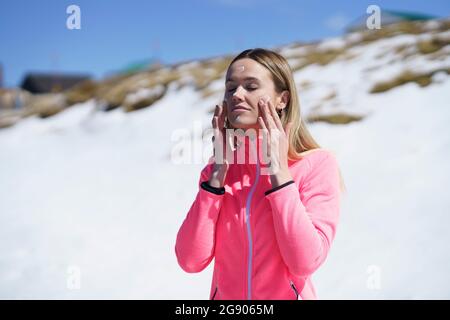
(220, 143)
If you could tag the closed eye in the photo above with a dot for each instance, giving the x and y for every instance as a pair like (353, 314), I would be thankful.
(249, 88)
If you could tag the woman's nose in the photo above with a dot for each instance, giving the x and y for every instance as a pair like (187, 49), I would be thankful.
(238, 94)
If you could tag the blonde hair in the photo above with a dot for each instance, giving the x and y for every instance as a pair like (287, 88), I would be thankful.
(300, 139)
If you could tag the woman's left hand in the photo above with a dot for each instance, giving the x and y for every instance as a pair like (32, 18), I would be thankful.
(278, 138)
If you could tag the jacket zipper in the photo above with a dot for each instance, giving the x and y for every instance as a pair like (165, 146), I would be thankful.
(215, 291)
(249, 233)
(294, 288)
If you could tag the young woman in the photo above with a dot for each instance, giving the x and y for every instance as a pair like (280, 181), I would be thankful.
(268, 224)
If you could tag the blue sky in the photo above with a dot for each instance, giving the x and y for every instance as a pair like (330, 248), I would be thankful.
(34, 37)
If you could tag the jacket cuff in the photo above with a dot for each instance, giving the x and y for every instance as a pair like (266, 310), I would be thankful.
(205, 186)
(278, 187)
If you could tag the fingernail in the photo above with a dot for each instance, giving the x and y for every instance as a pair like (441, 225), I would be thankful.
(265, 98)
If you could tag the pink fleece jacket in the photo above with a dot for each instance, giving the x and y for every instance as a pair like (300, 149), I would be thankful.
(267, 242)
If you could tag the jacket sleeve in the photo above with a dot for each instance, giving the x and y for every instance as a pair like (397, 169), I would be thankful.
(195, 241)
(305, 220)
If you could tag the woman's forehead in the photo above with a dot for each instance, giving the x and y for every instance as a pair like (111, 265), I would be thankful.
(246, 69)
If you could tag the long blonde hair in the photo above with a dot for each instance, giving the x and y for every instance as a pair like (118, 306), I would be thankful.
(300, 139)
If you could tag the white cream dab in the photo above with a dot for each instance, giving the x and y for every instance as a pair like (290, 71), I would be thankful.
(240, 68)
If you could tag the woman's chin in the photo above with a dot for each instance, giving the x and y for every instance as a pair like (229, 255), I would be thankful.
(244, 126)
(244, 122)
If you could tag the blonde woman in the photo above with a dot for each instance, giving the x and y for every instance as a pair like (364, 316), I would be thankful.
(269, 223)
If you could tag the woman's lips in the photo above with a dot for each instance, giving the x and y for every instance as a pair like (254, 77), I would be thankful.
(240, 109)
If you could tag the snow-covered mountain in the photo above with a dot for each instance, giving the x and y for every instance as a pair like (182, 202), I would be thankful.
(91, 201)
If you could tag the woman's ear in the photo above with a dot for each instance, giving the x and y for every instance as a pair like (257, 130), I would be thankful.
(284, 99)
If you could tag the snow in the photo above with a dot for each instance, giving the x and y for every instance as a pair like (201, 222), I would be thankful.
(98, 192)
(335, 43)
(143, 93)
(352, 78)
(395, 164)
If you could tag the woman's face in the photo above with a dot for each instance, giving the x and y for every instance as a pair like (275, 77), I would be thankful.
(246, 83)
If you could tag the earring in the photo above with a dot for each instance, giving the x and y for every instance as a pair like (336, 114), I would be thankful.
(280, 112)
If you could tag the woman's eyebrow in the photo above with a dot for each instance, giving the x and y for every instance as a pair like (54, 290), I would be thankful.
(245, 79)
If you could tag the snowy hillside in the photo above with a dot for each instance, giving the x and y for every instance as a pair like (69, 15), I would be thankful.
(98, 196)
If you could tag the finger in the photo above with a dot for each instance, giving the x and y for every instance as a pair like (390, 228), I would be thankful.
(274, 137)
(229, 142)
(216, 114)
(214, 125)
(217, 139)
(266, 134)
(216, 130)
(264, 113)
(275, 116)
(262, 124)
(270, 120)
(223, 112)
(216, 110)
